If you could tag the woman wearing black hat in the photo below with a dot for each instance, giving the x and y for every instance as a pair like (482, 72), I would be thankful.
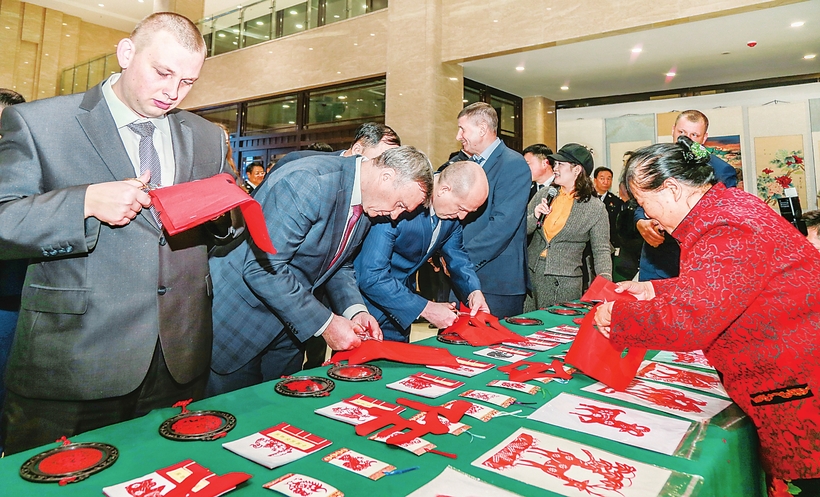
(564, 220)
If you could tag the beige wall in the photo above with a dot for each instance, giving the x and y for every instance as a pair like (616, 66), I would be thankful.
(539, 121)
(39, 43)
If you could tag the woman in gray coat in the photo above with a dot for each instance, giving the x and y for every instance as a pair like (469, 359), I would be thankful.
(562, 226)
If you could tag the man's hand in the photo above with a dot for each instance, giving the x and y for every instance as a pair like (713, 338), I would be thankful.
(477, 303)
(117, 202)
(341, 334)
(641, 290)
(370, 327)
(651, 231)
(440, 314)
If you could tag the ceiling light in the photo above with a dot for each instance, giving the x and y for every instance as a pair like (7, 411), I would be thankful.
(65, 24)
(8, 27)
(637, 50)
(797, 24)
(336, 16)
(298, 26)
(235, 43)
(338, 116)
(342, 97)
(355, 44)
(291, 122)
(310, 48)
(453, 79)
(549, 112)
(810, 56)
(519, 68)
(338, 72)
(565, 88)
(221, 35)
(465, 100)
(68, 36)
(26, 62)
(372, 34)
(260, 23)
(495, 20)
(101, 5)
(235, 30)
(293, 12)
(671, 74)
(285, 106)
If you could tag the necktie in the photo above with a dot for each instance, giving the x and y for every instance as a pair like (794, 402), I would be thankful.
(477, 159)
(351, 223)
(538, 186)
(149, 159)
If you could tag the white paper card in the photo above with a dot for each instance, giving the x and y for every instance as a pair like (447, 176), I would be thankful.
(454, 483)
(684, 377)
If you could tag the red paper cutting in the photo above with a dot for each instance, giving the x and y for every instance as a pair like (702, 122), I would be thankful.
(482, 329)
(526, 370)
(407, 353)
(593, 353)
(186, 205)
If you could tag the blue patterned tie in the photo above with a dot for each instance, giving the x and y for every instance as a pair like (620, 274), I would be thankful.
(477, 159)
(149, 158)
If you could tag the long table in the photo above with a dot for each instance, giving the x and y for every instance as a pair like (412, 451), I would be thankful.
(726, 459)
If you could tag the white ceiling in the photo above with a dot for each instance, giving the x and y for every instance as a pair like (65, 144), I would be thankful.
(701, 53)
(694, 51)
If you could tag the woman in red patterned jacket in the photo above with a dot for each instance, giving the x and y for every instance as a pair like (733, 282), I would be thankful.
(747, 295)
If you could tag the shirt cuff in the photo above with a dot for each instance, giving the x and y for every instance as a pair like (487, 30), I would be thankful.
(324, 326)
(353, 310)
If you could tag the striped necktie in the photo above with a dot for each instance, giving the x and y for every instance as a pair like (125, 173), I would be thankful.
(149, 158)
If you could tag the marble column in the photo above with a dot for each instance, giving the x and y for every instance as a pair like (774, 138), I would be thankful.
(539, 121)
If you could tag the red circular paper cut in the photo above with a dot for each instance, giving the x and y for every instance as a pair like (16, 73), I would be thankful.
(70, 461)
(195, 425)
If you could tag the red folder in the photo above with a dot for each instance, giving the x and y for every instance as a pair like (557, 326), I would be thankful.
(594, 354)
(186, 205)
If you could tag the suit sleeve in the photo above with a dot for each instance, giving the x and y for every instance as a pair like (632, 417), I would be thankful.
(462, 270)
(690, 311)
(376, 279)
(509, 205)
(724, 172)
(37, 223)
(291, 210)
(599, 241)
(342, 290)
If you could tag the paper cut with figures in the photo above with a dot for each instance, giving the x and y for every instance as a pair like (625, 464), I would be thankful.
(690, 378)
(571, 469)
(504, 353)
(296, 485)
(621, 424)
(482, 413)
(277, 446)
(358, 463)
(354, 410)
(689, 405)
(694, 358)
(183, 478)
(417, 446)
(426, 385)
(515, 385)
(467, 367)
(453, 428)
(490, 397)
(454, 483)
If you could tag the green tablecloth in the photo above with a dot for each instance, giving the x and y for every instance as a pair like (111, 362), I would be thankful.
(726, 459)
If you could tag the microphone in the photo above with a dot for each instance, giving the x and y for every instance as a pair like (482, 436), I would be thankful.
(551, 194)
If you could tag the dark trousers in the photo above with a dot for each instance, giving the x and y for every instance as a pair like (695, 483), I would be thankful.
(315, 352)
(283, 356)
(502, 306)
(30, 423)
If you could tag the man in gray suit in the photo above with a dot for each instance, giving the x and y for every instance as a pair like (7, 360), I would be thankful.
(115, 317)
(266, 306)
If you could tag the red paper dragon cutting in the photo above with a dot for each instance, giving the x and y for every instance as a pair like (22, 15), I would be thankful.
(606, 417)
(665, 397)
(691, 378)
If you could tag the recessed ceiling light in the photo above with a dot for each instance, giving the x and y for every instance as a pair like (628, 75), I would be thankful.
(101, 5)
(342, 97)
(338, 116)
(310, 48)
(235, 43)
(293, 12)
(797, 24)
(336, 16)
(670, 74)
(453, 79)
(372, 34)
(26, 62)
(221, 35)
(68, 36)
(549, 112)
(299, 26)
(495, 20)
(65, 24)
(338, 72)
(291, 122)
(565, 88)
(810, 56)
(637, 50)
(519, 68)
(8, 27)
(260, 23)
(285, 106)
(465, 100)
(355, 44)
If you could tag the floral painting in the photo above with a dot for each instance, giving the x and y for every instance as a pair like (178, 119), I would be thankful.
(725, 147)
(779, 163)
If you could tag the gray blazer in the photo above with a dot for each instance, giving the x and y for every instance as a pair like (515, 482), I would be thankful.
(587, 222)
(258, 295)
(96, 298)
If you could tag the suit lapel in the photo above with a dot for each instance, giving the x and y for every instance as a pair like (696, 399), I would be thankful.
(183, 141)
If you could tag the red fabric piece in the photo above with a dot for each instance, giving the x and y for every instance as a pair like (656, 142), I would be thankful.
(183, 404)
(453, 411)
(747, 296)
(351, 223)
(526, 370)
(482, 329)
(596, 356)
(186, 205)
(407, 353)
(604, 290)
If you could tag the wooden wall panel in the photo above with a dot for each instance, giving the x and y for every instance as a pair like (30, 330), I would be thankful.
(32, 23)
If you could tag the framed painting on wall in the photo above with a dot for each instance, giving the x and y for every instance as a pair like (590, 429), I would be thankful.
(779, 165)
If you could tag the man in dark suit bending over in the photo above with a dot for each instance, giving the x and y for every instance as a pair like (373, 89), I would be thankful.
(495, 234)
(266, 306)
(115, 317)
(393, 252)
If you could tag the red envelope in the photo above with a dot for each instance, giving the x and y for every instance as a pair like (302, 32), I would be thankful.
(483, 329)
(407, 353)
(594, 355)
(603, 289)
(186, 205)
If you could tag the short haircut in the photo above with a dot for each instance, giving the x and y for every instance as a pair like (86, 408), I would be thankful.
(481, 112)
(599, 170)
(460, 176)
(694, 116)
(10, 97)
(539, 150)
(410, 164)
(812, 219)
(370, 134)
(320, 147)
(185, 31)
(249, 167)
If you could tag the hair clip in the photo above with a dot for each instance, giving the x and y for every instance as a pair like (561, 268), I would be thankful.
(693, 151)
